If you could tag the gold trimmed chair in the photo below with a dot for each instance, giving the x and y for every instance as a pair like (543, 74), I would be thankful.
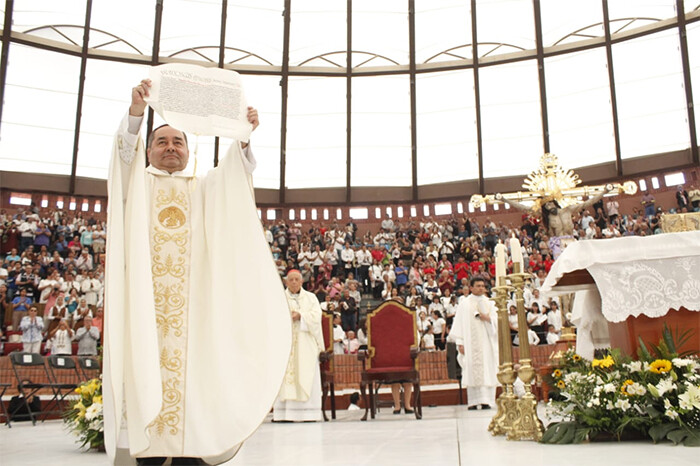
(391, 356)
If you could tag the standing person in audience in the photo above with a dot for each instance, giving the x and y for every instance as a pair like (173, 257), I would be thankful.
(439, 329)
(552, 335)
(475, 333)
(338, 335)
(20, 307)
(300, 396)
(60, 339)
(87, 337)
(32, 327)
(58, 313)
(555, 317)
(364, 262)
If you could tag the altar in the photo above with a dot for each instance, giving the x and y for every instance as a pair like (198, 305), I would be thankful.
(629, 287)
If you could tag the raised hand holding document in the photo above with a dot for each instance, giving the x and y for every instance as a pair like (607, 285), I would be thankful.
(199, 100)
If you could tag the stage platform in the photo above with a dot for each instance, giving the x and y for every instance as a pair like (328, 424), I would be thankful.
(447, 435)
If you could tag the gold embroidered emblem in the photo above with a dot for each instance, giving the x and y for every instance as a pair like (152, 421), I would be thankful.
(172, 217)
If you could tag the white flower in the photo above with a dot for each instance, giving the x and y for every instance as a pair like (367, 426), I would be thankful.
(93, 411)
(665, 385)
(634, 366)
(589, 405)
(636, 389)
(678, 362)
(609, 388)
(597, 389)
(595, 401)
(690, 399)
(671, 414)
(646, 366)
(609, 405)
(623, 404)
(667, 404)
(599, 380)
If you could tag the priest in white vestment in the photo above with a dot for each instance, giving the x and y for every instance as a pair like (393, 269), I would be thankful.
(474, 330)
(300, 396)
(184, 375)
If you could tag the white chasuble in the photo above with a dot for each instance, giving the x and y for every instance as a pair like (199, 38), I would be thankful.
(480, 340)
(300, 396)
(188, 274)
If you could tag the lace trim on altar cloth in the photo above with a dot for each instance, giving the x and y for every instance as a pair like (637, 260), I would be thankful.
(651, 287)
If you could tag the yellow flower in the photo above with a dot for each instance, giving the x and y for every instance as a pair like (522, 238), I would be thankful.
(625, 384)
(660, 366)
(556, 373)
(604, 363)
(576, 358)
(97, 399)
(81, 409)
(79, 390)
(561, 384)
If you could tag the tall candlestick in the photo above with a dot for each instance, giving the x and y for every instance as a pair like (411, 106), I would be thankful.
(516, 252)
(500, 261)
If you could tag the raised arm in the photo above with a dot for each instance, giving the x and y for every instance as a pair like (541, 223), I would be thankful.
(591, 201)
(514, 204)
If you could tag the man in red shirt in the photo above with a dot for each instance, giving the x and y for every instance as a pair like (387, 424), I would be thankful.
(461, 269)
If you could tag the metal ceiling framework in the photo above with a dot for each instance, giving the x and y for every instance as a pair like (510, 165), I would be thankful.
(624, 29)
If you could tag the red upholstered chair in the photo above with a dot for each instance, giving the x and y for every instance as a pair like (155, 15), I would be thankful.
(392, 351)
(327, 369)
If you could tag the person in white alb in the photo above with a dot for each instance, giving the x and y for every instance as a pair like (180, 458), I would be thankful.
(300, 396)
(474, 331)
(180, 358)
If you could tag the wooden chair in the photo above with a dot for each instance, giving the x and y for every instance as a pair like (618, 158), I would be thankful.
(392, 351)
(327, 368)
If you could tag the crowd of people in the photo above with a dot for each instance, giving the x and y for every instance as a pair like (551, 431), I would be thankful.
(52, 280)
(427, 264)
(53, 263)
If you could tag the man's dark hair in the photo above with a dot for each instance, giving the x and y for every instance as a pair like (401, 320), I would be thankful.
(473, 281)
(152, 135)
(354, 398)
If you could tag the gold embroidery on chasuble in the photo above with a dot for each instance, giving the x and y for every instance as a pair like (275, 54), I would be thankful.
(170, 266)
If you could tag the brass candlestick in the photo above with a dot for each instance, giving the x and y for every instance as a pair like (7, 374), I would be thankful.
(502, 422)
(527, 425)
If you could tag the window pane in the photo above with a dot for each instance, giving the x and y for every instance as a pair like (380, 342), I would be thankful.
(381, 137)
(106, 101)
(650, 97)
(452, 18)
(179, 32)
(562, 18)
(29, 14)
(693, 31)
(312, 19)
(578, 106)
(446, 127)
(316, 132)
(380, 28)
(510, 22)
(657, 9)
(118, 18)
(511, 121)
(257, 28)
(359, 213)
(263, 93)
(50, 130)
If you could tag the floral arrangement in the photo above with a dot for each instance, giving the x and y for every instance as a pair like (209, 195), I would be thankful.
(656, 395)
(85, 417)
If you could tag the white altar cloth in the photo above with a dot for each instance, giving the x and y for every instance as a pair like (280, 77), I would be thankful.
(633, 276)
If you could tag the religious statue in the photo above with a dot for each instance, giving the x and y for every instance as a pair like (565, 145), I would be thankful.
(552, 194)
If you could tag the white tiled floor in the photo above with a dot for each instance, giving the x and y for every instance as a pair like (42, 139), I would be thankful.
(448, 435)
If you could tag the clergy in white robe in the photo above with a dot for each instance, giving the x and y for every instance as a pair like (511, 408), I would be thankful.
(300, 396)
(474, 330)
(184, 376)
